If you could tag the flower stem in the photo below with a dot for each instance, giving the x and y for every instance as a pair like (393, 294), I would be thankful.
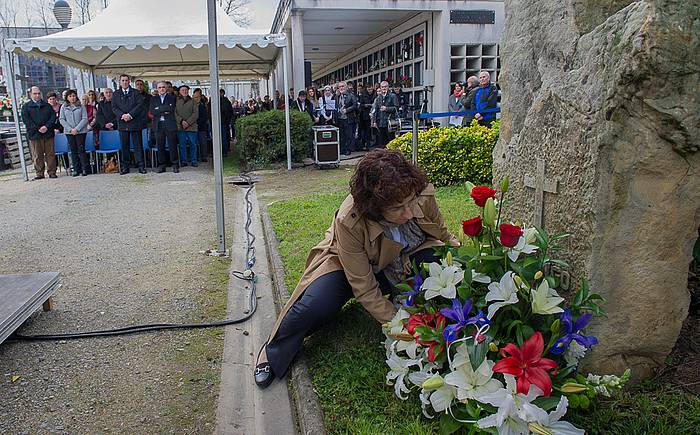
(500, 206)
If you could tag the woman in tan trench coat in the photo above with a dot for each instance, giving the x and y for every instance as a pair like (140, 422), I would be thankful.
(389, 220)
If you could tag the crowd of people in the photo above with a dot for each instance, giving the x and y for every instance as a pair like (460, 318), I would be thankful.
(180, 123)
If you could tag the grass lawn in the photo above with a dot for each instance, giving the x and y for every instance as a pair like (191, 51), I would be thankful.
(347, 358)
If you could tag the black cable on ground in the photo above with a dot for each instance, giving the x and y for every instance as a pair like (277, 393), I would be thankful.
(246, 275)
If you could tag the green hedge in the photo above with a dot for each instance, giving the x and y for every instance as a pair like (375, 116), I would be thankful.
(452, 155)
(261, 137)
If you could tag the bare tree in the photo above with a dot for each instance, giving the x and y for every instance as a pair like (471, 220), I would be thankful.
(238, 11)
(8, 17)
(44, 13)
(82, 8)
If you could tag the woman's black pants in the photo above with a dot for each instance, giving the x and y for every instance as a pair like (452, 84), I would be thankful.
(78, 156)
(319, 305)
(383, 137)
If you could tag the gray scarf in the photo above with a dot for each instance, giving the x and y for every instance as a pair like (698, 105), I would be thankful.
(411, 236)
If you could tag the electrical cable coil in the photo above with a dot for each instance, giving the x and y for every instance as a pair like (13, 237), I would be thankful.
(246, 275)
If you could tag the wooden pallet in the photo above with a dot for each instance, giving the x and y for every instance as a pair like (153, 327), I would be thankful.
(21, 295)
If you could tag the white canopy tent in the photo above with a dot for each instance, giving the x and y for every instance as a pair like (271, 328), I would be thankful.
(146, 38)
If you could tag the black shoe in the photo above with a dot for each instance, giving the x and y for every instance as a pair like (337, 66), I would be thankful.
(161, 169)
(204, 159)
(183, 164)
(263, 375)
(124, 172)
(53, 176)
(38, 177)
(176, 169)
(84, 174)
(142, 171)
(75, 173)
(195, 164)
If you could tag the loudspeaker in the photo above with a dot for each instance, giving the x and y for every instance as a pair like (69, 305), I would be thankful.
(307, 73)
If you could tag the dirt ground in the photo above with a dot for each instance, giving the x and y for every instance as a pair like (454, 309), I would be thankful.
(128, 249)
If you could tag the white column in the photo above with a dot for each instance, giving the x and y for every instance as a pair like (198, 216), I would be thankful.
(287, 122)
(441, 63)
(297, 51)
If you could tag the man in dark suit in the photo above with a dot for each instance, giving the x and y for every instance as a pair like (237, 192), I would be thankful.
(162, 107)
(127, 105)
(346, 104)
(106, 119)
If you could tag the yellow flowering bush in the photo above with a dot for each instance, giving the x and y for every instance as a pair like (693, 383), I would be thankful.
(452, 155)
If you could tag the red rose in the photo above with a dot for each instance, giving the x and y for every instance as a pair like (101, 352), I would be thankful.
(472, 227)
(510, 234)
(481, 194)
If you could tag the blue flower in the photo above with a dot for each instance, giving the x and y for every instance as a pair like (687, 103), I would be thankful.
(460, 314)
(573, 332)
(417, 284)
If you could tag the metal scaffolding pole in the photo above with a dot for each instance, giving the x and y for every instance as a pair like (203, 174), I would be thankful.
(15, 111)
(286, 106)
(216, 124)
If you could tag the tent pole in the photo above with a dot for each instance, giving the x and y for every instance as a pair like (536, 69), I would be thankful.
(94, 81)
(216, 124)
(283, 94)
(15, 112)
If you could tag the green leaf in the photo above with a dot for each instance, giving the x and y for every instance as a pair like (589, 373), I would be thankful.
(527, 331)
(477, 354)
(468, 276)
(448, 425)
(404, 287)
(546, 403)
(554, 328)
(464, 292)
(491, 257)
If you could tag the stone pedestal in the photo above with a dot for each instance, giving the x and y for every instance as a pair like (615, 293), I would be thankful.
(609, 97)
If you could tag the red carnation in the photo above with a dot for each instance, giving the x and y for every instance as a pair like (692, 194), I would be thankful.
(481, 194)
(527, 365)
(510, 234)
(472, 227)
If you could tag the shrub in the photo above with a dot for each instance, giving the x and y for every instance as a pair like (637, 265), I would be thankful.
(452, 155)
(261, 137)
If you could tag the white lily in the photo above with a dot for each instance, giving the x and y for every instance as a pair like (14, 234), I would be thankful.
(442, 281)
(418, 377)
(398, 369)
(442, 398)
(411, 348)
(472, 384)
(551, 423)
(524, 245)
(396, 325)
(514, 409)
(503, 292)
(546, 300)
(480, 277)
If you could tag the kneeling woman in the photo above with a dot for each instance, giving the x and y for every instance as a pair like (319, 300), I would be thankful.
(389, 220)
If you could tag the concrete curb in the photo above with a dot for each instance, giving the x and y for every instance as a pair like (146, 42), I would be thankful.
(305, 404)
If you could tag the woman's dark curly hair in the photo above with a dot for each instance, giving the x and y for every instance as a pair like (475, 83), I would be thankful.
(384, 178)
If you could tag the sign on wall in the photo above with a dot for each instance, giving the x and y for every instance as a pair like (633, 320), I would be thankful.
(472, 17)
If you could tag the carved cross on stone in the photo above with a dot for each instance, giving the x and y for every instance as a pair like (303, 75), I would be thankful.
(541, 186)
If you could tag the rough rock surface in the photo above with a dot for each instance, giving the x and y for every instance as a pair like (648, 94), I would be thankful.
(609, 97)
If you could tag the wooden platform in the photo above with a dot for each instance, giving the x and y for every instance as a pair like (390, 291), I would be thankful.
(21, 295)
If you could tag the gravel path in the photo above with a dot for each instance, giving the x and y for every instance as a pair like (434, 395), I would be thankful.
(127, 249)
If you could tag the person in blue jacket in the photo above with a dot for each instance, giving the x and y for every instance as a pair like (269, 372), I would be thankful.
(485, 97)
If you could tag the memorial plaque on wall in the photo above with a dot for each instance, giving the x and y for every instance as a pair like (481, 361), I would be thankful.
(472, 17)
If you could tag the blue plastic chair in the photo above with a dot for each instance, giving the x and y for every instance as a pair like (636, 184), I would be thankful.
(109, 144)
(61, 149)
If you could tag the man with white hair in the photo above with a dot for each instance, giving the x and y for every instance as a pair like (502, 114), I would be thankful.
(485, 97)
(39, 118)
(106, 119)
(385, 108)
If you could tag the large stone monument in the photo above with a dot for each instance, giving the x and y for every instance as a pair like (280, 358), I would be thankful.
(600, 137)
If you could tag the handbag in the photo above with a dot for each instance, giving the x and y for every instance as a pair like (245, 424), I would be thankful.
(111, 166)
(393, 125)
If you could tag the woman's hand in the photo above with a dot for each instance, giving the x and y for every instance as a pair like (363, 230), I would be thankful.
(73, 131)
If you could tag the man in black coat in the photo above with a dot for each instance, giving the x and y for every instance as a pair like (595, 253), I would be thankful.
(346, 105)
(364, 100)
(385, 108)
(127, 105)
(302, 105)
(162, 107)
(106, 119)
(39, 118)
(226, 115)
